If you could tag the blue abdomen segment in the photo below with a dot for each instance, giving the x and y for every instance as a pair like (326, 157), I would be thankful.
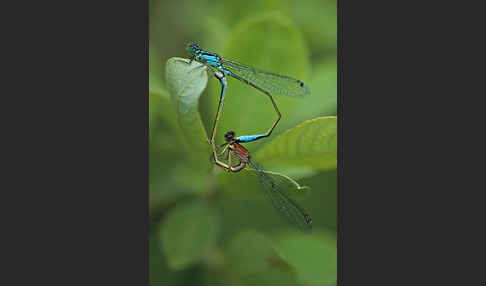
(249, 138)
(211, 59)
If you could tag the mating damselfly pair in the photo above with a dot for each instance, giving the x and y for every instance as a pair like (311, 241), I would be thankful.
(268, 83)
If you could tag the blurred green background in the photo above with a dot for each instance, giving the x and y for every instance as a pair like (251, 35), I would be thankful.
(209, 227)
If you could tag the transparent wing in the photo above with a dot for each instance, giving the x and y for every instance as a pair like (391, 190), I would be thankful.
(270, 82)
(285, 206)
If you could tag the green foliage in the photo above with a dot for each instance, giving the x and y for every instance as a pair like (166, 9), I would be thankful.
(188, 234)
(186, 82)
(315, 264)
(252, 260)
(211, 227)
(311, 144)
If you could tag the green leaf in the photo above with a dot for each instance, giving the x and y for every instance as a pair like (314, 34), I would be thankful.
(186, 83)
(313, 257)
(188, 233)
(254, 261)
(159, 272)
(269, 42)
(312, 143)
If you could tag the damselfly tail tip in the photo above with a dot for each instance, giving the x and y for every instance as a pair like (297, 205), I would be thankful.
(305, 87)
(308, 224)
(308, 219)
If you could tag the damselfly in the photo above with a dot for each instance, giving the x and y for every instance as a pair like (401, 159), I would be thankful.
(263, 81)
(286, 207)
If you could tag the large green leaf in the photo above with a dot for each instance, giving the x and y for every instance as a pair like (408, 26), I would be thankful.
(168, 171)
(186, 83)
(269, 42)
(314, 258)
(159, 272)
(188, 234)
(253, 260)
(312, 143)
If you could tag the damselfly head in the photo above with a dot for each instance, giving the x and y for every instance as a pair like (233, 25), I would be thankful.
(193, 48)
(229, 136)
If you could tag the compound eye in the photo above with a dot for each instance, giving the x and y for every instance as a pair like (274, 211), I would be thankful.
(229, 135)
